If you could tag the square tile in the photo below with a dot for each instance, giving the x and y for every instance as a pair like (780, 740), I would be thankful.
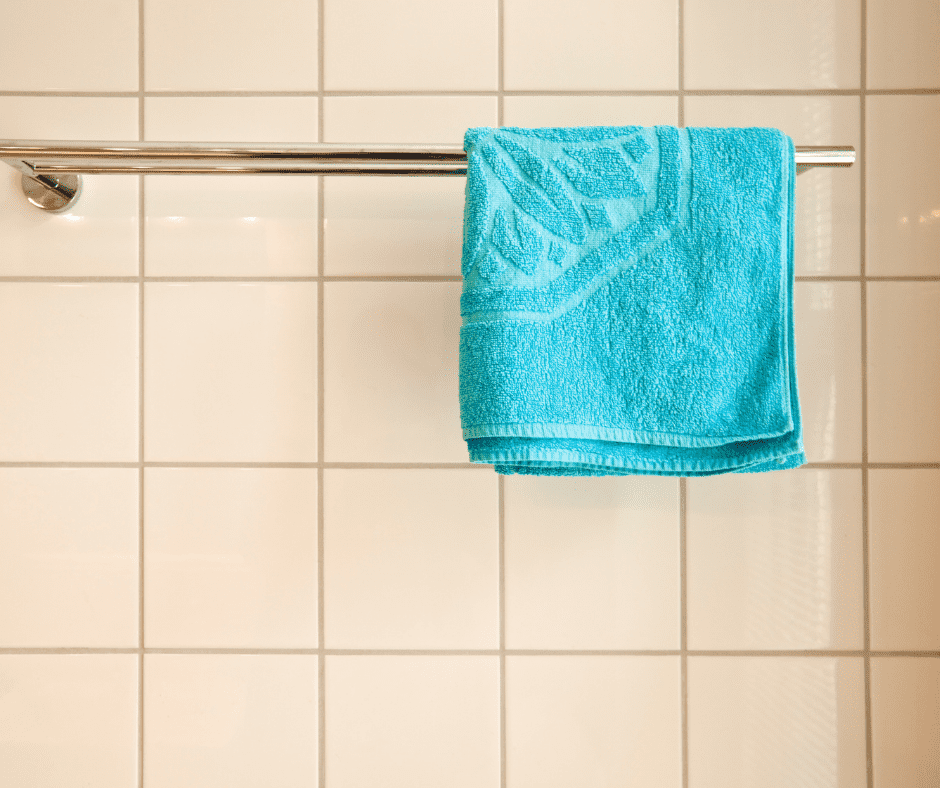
(826, 213)
(590, 45)
(410, 45)
(776, 722)
(69, 355)
(103, 57)
(411, 558)
(68, 719)
(775, 560)
(412, 721)
(903, 371)
(69, 566)
(773, 44)
(230, 372)
(592, 720)
(239, 119)
(408, 119)
(230, 557)
(903, 192)
(230, 720)
(397, 226)
(231, 225)
(97, 236)
(828, 340)
(905, 721)
(393, 226)
(548, 111)
(390, 372)
(592, 563)
(903, 44)
(904, 546)
(230, 45)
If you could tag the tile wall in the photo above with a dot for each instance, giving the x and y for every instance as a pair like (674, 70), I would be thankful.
(240, 541)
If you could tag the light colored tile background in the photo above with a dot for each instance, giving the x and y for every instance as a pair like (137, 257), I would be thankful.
(229, 719)
(240, 541)
(776, 722)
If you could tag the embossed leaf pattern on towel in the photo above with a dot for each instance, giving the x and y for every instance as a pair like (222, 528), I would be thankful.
(542, 195)
(523, 245)
(600, 172)
(548, 210)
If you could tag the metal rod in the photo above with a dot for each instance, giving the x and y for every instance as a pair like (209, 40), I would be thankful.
(52, 157)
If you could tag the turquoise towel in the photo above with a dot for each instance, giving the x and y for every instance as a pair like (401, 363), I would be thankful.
(628, 301)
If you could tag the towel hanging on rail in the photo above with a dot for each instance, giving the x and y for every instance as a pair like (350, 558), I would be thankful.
(628, 301)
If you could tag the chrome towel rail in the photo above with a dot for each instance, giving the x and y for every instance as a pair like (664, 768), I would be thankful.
(51, 169)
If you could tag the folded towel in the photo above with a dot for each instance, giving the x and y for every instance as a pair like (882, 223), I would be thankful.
(628, 301)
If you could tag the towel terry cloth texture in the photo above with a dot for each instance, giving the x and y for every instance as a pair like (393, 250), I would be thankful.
(627, 301)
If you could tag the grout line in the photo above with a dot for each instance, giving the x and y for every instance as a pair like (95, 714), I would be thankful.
(863, 270)
(141, 224)
(241, 279)
(684, 627)
(321, 413)
(463, 652)
(458, 93)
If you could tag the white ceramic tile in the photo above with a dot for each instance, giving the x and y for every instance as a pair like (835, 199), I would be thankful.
(407, 119)
(230, 45)
(230, 557)
(904, 547)
(230, 372)
(69, 388)
(410, 44)
(96, 45)
(771, 44)
(241, 119)
(826, 213)
(231, 225)
(905, 721)
(903, 44)
(393, 226)
(903, 371)
(98, 235)
(68, 568)
(902, 189)
(592, 563)
(390, 374)
(775, 560)
(590, 45)
(68, 719)
(603, 721)
(397, 226)
(230, 720)
(536, 111)
(776, 722)
(412, 721)
(411, 558)
(827, 334)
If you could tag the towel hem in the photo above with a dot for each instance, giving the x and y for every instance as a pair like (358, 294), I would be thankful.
(563, 457)
(613, 434)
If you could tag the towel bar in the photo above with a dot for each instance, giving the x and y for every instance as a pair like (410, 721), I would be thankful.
(51, 169)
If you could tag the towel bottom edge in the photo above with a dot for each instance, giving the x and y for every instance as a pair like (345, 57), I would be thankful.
(544, 461)
(573, 469)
